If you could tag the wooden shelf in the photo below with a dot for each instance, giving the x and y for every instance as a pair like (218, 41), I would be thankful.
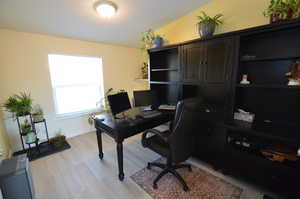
(270, 59)
(266, 86)
(164, 69)
(255, 130)
(141, 80)
(40, 121)
(162, 82)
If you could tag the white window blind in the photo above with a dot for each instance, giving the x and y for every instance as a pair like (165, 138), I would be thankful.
(77, 83)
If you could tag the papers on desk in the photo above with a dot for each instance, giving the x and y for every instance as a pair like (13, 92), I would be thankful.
(167, 107)
(146, 108)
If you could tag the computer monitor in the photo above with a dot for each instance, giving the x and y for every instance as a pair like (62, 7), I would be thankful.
(119, 102)
(146, 98)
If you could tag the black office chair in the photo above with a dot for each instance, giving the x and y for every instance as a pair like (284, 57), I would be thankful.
(177, 144)
(146, 98)
(119, 102)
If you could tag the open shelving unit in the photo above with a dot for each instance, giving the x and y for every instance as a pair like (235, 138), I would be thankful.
(266, 58)
(270, 59)
(267, 86)
(165, 74)
(269, 96)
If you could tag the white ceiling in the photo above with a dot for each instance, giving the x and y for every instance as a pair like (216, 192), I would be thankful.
(77, 18)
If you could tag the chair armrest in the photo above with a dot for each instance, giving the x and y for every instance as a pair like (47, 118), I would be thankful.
(162, 135)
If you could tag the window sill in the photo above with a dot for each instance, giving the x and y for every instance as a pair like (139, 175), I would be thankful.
(75, 115)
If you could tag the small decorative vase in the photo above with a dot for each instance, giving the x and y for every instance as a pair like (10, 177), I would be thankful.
(275, 18)
(206, 28)
(158, 42)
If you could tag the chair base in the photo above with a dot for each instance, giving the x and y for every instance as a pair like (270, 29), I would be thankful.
(167, 168)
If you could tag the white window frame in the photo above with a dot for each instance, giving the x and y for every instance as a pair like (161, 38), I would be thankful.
(83, 112)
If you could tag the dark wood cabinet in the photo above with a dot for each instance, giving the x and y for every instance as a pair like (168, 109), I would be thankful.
(193, 61)
(219, 59)
(211, 69)
(209, 61)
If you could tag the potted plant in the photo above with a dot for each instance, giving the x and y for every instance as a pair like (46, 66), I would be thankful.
(207, 25)
(147, 39)
(58, 140)
(19, 104)
(144, 70)
(275, 11)
(150, 40)
(25, 127)
(37, 114)
(104, 105)
(292, 9)
(280, 10)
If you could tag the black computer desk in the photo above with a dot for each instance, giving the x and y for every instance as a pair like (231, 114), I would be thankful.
(120, 129)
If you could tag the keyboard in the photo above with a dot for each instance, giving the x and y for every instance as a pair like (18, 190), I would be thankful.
(149, 114)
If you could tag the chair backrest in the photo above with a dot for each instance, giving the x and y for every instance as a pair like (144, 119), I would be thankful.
(119, 102)
(184, 128)
(146, 98)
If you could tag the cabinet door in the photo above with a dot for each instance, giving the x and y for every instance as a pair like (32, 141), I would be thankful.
(220, 57)
(193, 59)
(210, 146)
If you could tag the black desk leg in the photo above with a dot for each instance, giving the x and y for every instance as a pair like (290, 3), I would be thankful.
(99, 139)
(120, 160)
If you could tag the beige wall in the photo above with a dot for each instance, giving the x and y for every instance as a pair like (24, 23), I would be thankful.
(238, 14)
(24, 66)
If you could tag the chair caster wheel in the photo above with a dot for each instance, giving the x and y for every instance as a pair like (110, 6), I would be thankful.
(148, 166)
(186, 189)
(154, 186)
(121, 177)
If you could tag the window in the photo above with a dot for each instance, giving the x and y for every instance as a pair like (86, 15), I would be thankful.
(77, 83)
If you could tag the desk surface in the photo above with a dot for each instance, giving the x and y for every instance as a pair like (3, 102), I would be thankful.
(132, 124)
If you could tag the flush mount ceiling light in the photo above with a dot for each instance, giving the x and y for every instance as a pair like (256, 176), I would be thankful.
(105, 8)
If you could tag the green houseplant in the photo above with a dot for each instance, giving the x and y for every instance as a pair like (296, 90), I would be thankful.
(58, 140)
(104, 104)
(207, 25)
(37, 113)
(147, 39)
(19, 104)
(144, 70)
(279, 10)
(150, 39)
(292, 9)
(25, 127)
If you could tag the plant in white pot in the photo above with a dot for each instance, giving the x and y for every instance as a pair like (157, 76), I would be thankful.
(18, 104)
(207, 25)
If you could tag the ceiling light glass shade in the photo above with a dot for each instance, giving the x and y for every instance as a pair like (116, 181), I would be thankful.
(106, 8)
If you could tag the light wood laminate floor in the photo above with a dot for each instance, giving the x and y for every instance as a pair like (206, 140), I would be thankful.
(78, 173)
